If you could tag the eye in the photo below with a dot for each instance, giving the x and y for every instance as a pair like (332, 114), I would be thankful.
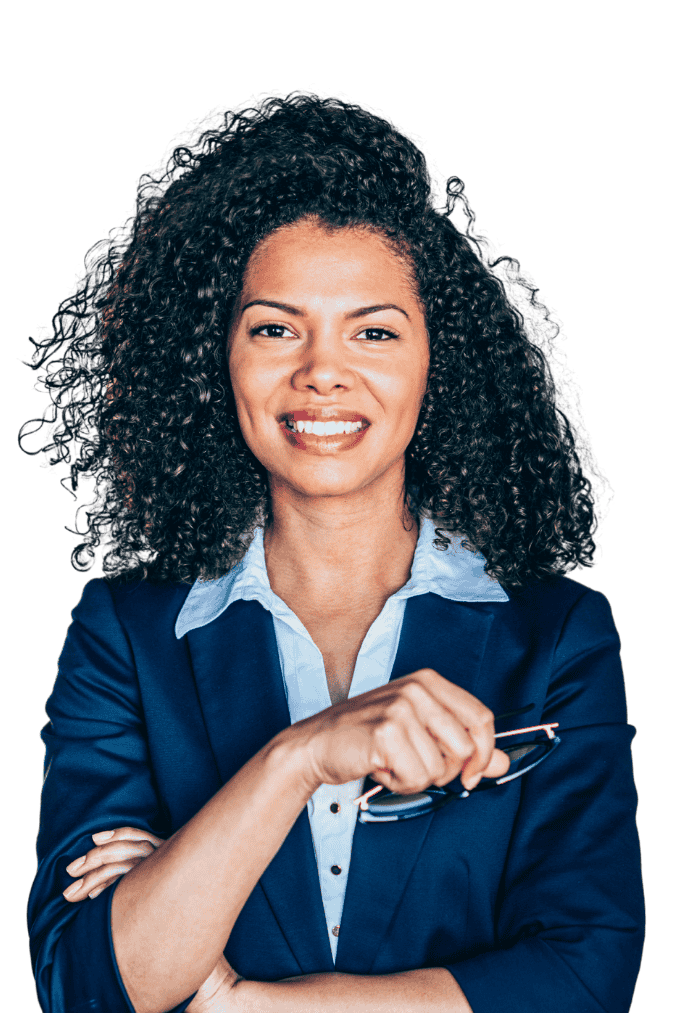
(273, 331)
(377, 334)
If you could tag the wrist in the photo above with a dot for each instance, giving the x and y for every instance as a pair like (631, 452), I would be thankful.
(290, 751)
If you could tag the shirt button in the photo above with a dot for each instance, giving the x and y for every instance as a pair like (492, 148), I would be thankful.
(334, 807)
(336, 870)
(336, 930)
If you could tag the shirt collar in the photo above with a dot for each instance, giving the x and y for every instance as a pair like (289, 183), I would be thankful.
(454, 573)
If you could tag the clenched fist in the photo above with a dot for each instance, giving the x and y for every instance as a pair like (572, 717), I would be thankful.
(411, 733)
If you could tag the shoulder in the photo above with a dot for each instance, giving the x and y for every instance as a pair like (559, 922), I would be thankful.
(114, 621)
(550, 589)
(130, 597)
(568, 625)
(115, 616)
(558, 601)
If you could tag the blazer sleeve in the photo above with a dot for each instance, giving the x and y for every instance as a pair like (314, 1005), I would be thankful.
(97, 777)
(570, 917)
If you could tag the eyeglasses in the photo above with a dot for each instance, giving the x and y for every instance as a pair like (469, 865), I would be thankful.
(524, 756)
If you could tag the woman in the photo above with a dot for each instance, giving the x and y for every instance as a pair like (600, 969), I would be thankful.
(341, 501)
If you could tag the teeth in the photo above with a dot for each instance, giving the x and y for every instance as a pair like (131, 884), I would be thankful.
(324, 428)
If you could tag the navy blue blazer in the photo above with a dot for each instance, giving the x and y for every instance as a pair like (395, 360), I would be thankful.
(529, 894)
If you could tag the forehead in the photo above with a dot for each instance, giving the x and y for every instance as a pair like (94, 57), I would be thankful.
(310, 258)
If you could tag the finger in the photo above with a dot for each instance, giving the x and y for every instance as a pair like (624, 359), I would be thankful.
(97, 881)
(438, 766)
(104, 854)
(126, 834)
(483, 737)
(474, 716)
(99, 878)
(456, 748)
(399, 764)
(436, 737)
(456, 745)
(478, 721)
(99, 889)
(498, 765)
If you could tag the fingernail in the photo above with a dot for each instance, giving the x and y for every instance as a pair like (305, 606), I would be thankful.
(95, 893)
(472, 782)
(75, 865)
(103, 835)
(73, 888)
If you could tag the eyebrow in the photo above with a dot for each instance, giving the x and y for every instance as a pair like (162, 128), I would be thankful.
(294, 311)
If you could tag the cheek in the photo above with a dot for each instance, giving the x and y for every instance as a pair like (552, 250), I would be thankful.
(234, 368)
(249, 386)
(408, 389)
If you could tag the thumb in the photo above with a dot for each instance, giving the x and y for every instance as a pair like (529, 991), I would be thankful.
(498, 766)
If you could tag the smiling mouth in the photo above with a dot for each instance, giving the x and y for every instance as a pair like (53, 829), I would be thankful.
(327, 428)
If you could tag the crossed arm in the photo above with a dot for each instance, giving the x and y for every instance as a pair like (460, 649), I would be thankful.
(224, 991)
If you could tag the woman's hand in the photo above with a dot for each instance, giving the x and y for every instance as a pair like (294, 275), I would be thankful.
(103, 865)
(413, 732)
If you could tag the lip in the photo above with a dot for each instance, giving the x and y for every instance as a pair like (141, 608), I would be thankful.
(323, 415)
(312, 443)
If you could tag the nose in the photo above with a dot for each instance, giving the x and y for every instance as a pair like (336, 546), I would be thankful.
(324, 367)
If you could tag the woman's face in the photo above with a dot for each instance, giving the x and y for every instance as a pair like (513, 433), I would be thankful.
(328, 331)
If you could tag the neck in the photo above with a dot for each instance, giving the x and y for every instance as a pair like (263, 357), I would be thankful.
(337, 545)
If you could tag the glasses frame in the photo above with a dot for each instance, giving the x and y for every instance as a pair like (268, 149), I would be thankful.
(441, 796)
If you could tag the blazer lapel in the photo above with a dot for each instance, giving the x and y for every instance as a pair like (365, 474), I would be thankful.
(240, 687)
(449, 637)
(239, 683)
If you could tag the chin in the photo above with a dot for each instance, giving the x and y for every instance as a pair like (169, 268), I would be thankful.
(330, 476)
(326, 484)
(317, 490)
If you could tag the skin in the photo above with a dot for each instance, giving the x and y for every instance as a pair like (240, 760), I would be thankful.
(338, 511)
(338, 504)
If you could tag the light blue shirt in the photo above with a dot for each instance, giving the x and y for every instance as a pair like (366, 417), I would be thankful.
(455, 573)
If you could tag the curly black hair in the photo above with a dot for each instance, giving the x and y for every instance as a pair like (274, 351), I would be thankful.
(138, 376)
